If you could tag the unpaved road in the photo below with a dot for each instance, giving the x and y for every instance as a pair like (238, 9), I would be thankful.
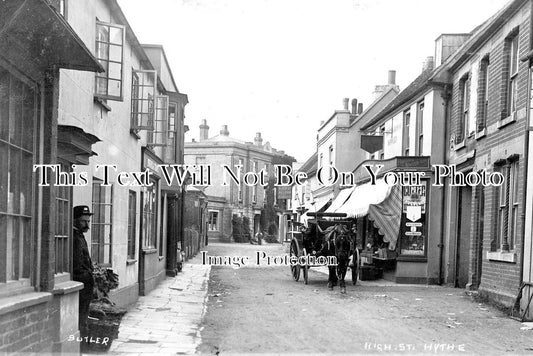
(263, 310)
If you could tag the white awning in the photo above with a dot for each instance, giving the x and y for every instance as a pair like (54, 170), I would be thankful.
(317, 206)
(340, 199)
(363, 196)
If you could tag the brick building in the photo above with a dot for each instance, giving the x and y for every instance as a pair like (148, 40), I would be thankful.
(129, 114)
(38, 308)
(227, 202)
(485, 225)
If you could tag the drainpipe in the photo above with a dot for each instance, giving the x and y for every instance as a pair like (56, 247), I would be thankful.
(526, 142)
(446, 97)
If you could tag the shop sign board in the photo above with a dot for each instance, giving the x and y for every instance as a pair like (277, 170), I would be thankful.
(413, 237)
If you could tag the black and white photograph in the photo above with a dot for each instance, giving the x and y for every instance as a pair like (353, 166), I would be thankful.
(279, 177)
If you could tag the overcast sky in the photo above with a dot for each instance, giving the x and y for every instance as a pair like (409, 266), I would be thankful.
(279, 67)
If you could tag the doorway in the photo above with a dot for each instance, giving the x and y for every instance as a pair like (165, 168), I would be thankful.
(463, 238)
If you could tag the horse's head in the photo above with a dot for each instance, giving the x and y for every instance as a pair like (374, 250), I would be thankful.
(342, 242)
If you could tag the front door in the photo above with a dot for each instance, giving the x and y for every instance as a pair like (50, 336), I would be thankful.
(464, 203)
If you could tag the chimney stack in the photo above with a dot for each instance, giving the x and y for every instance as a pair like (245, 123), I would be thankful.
(204, 130)
(392, 77)
(359, 108)
(354, 106)
(345, 102)
(428, 64)
(224, 130)
(258, 141)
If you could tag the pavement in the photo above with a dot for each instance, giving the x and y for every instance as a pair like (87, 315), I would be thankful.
(167, 320)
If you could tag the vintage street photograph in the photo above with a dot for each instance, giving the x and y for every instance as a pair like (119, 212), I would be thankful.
(278, 177)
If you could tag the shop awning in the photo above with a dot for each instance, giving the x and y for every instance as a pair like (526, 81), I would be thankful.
(319, 205)
(363, 196)
(33, 30)
(387, 215)
(340, 199)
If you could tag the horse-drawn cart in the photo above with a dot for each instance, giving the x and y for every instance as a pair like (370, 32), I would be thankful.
(321, 240)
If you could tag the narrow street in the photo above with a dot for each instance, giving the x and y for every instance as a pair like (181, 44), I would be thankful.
(261, 309)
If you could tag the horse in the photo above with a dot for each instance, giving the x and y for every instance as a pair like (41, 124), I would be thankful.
(337, 243)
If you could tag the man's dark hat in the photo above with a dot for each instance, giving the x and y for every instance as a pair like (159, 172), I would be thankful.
(81, 210)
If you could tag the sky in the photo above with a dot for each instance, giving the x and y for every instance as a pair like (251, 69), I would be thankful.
(279, 67)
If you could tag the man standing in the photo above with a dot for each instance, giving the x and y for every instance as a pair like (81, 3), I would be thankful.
(83, 267)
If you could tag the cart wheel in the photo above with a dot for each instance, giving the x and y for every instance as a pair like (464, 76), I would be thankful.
(305, 269)
(295, 269)
(355, 268)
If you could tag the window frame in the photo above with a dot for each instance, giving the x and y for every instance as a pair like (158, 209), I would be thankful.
(464, 108)
(483, 93)
(406, 128)
(105, 75)
(138, 112)
(420, 128)
(61, 255)
(27, 277)
(149, 226)
(507, 210)
(96, 206)
(160, 122)
(240, 194)
(132, 224)
(212, 215)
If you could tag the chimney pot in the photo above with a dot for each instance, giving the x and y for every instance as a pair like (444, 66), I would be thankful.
(359, 108)
(204, 130)
(224, 130)
(345, 102)
(392, 77)
(258, 140)
(354, 106)
(428, 64)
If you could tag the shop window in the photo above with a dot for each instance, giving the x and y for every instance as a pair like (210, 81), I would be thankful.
(150, 215)
(18, 117)
(212, 223)
(143, 99)
(63, 225)
(102, 223)
(158, 135)
(109, 51)
(132, 220)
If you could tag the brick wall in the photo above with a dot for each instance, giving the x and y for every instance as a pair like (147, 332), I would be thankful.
(498, 278)
(28, 329)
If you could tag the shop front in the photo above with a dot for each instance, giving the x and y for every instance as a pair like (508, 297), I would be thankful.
(395, 233)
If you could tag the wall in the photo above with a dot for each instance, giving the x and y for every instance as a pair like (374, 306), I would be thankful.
(499, 279)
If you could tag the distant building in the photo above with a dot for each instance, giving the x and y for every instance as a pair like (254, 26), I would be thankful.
(226, 204)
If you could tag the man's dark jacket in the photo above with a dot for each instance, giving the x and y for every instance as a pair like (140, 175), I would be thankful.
(83, 267)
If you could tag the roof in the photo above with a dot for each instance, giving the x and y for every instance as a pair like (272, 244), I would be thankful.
(479, 36)
(369, 109)
(420, 84)
(311, 165)
(224, 138)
